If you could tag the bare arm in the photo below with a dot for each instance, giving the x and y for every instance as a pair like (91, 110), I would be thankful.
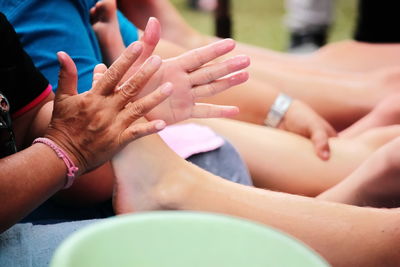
(92, 187)
(28, 178)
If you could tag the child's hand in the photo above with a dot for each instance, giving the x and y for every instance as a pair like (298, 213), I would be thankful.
(192, 78)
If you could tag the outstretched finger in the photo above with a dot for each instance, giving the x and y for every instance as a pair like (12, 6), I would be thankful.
(196, 58)
(132, 87)
(151, 37)
(139, 108)
(212, 72)
(106, 85)
(138, 130)
(67, 77)
(201, 110)
(219, 85)
(98, 73)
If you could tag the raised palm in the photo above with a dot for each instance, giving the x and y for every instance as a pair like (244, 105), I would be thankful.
(192, 79)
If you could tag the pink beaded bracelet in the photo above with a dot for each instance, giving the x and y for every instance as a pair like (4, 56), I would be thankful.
(71, 168)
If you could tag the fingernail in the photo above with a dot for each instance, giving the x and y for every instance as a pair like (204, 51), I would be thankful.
(225, 46)
(244, 60)
(160, 125)
(136, 47)
(238, 78)
(155, 60)
(60, 57)
(166, 89)
(148, 22)
(325, 154)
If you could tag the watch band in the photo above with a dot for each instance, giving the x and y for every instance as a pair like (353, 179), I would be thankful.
(278, 110)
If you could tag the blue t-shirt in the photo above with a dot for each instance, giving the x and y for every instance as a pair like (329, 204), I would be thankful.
(48, 26)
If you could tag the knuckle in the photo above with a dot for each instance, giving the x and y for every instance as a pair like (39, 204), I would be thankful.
(129, 90)
(198, 57)
(112, 74)
(211, 88)
(208, 75)
(134, 132)
(141, 76)
(137, 109)
(126, 56)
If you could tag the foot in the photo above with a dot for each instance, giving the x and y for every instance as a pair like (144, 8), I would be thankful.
(173, 24)
(375, 183)
(105, 25)
(145, 180)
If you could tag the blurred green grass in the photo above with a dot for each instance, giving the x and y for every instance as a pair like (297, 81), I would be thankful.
(261, 22)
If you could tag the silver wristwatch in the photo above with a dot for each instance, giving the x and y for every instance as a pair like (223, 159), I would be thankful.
(278, 110)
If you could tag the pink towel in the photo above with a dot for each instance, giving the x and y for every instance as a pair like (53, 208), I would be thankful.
(190, 139)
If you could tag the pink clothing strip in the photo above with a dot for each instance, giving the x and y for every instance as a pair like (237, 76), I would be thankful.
(189, 139)
(33, 103)
(71, 168)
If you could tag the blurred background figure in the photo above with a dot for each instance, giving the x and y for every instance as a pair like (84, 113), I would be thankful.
(308, 22)
(203, 5)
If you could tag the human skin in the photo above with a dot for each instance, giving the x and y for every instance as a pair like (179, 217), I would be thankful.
(285, 162)
(192, 81)
(89, 141)
(342, 81)
(373, 187)
(345, 235)
(314, 127)
(270, 148)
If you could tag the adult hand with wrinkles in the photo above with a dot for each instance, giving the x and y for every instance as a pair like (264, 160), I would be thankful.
(193, 77)
(93, 126)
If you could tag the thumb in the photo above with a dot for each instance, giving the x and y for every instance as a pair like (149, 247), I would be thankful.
(152, 32)
(67, 77)
(320, 140)
(150, 38)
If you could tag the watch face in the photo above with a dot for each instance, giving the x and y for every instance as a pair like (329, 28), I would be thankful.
(7, 140)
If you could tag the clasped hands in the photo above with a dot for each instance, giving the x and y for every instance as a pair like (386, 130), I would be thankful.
(93, 126)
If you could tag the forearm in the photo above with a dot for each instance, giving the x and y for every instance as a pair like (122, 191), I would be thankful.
(28, 178)
(253, 99)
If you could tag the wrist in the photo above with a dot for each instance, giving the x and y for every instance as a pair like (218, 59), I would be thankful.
(278, 110)
(64, 142)
(72, 170)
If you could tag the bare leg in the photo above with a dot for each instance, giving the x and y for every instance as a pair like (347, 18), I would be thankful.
(375, 183)
(387, 112)
(325, 79)
(106, 27)
(285, 162)
(341, 98)
(146, 181)
(343, 56)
